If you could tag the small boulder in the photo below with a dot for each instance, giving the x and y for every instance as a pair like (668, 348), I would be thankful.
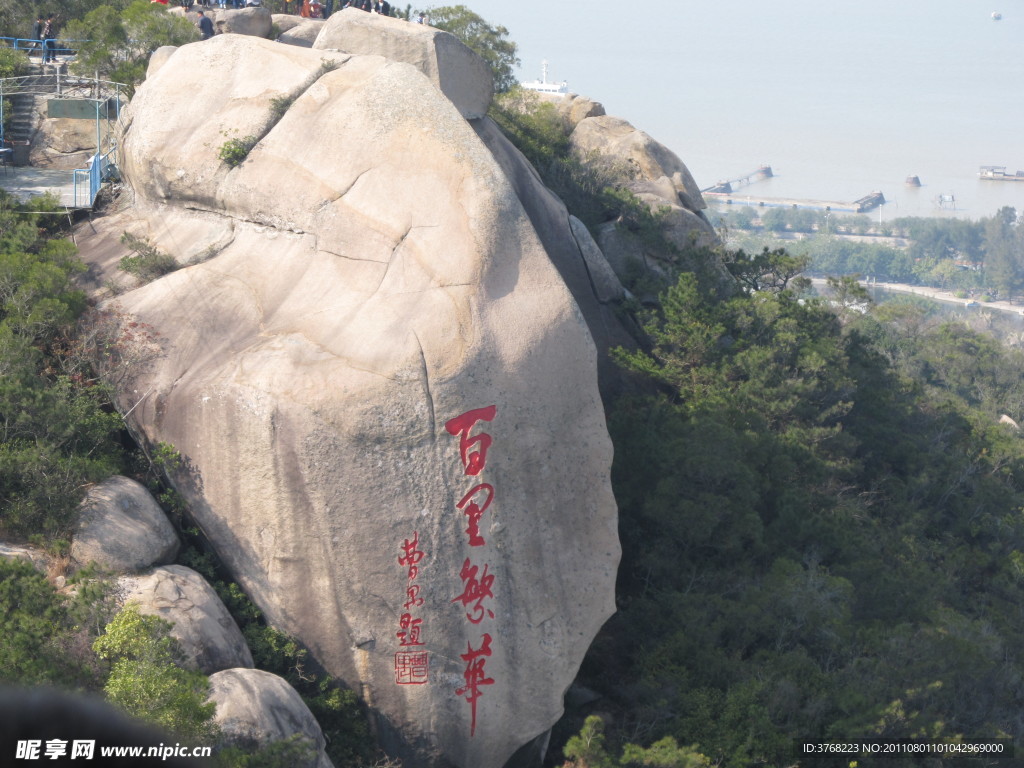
(255, 22)
(208, 635)
(458, 72)
(256, 708)
(304, 34)
(286, 21)
(121, 528)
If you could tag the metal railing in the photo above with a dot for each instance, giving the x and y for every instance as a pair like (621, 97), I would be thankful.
(54, 47)
(87, 181)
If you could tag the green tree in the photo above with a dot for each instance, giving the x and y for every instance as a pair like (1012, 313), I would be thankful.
(119, 42)
(57, 432)
(146, 679)
(490, 42)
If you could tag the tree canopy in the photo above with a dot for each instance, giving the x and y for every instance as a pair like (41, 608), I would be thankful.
(490, 42)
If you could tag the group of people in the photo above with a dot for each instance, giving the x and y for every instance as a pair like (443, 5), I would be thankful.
(43, 31)
(322, 9)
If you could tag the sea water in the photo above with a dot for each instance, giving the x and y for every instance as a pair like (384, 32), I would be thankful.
(840, 99)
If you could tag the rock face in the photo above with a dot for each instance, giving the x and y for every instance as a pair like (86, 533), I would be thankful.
(121, 528)
(243, 21)
(304, 34)
(383, 391)
(459, 73)
(256, 708)
(661, 180)
(208, 635)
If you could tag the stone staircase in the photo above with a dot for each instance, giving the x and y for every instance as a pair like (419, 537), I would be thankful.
(25, 107)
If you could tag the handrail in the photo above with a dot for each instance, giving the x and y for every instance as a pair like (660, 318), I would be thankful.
(56, 47)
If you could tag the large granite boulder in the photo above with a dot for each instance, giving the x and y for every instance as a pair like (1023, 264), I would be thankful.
(256, 709)
(243, 21)
(121, 528)
(208, 635)
(457, 71)
(383, 391)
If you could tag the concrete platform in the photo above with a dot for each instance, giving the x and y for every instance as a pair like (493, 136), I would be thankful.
(27, 182)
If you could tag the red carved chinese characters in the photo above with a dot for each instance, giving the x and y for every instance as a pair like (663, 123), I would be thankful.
(412, 555)
(475, 590)
(475, 676)
(477, 582)
(461, 425)
(474, 512)
(412, 667)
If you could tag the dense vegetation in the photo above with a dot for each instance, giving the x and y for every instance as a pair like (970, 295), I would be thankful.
(984, 257)
(822, 516)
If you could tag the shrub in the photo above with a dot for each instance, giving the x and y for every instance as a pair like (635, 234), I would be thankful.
(148, 263)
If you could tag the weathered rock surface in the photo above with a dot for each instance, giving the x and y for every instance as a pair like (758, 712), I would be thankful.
(573, 108)
(458, 72)
(571, 249)
(243, 21)
(158, 58)
(121, 528)
(304, 34)
(312, 367)
(63, 143)
(614, 137)
(35, 557)
(256, 708)
(285, 21)
(208, 635)
(662, 181)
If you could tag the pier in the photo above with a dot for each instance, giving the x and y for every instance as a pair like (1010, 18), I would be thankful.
(861, 205)
(727, 187)
(998, 173)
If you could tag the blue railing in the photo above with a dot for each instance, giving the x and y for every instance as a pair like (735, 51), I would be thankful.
(54, 47)
(99, 166)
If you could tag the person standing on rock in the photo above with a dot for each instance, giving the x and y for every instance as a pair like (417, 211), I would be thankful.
(205, 26)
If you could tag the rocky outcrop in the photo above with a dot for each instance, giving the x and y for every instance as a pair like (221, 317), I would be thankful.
(658, 178)
(573, 108)
(457, 71)
(209, 637)
(304, 34)
(256, 709)
(650, 160)
(121, 528)
(383, 390)
(243, 21)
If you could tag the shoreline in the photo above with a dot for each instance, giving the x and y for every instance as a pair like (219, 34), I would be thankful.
(936, 294)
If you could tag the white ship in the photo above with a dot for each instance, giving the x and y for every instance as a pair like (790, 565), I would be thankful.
(543, 86)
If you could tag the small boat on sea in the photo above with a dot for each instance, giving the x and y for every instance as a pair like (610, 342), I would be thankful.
(996, 16)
